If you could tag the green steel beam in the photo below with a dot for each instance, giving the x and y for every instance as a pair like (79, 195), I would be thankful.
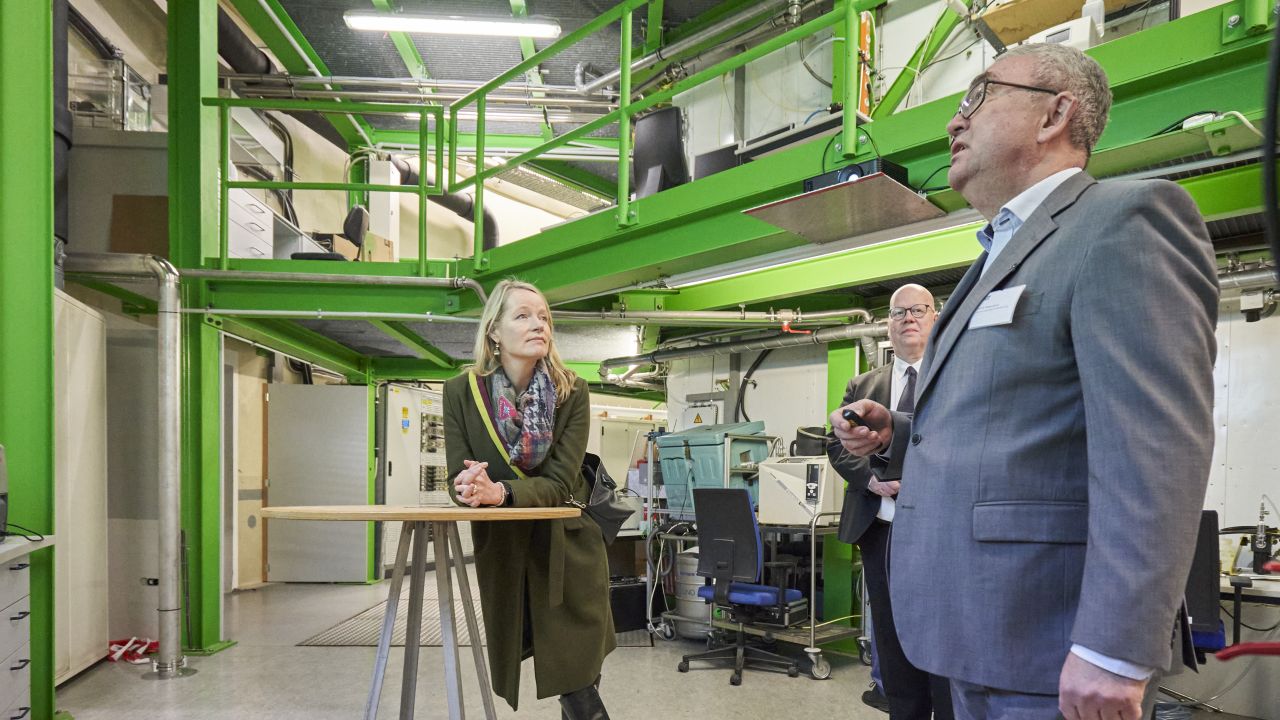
(26, 305)
(467, 141)
(131, 303)
(384, 368)
(1223, 194)
(575, 177)
(285, 46)
(330, 298)
(653, 28)
(399, 332)
(838, 558)
(924, 54)
(293, 340)
(193, 223)
(528, 50)
(404, 45)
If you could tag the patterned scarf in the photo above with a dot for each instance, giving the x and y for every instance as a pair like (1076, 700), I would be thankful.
(524, 422)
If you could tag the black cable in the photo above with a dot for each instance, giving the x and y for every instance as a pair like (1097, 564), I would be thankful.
(33, 536)
(1178, 123)
(924, 185)
(1245, 624)
(1271, 204)
(739, 410)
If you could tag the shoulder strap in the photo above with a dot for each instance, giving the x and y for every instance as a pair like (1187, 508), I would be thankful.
(478, 397)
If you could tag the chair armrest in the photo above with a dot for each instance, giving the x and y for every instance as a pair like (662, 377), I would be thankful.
(791, 566)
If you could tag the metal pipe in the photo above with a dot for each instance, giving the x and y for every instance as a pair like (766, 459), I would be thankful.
(417, 99)
(676, 48)
(170, 661)
(424, 84)
(819, 337)
(266, 8)
(1262, 276)
(457, 282)
(705, 317)
(331, 315)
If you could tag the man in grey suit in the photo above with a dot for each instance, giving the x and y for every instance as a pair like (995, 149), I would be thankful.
(1055, 467)
(869, 506)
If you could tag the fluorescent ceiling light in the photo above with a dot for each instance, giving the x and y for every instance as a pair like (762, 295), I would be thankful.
(532, 27)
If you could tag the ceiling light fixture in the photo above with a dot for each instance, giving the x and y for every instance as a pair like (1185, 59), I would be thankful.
(532, 27)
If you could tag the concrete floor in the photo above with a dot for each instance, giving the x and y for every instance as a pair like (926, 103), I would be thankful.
(265, 675)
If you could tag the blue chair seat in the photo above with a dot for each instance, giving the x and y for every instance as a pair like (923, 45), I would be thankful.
(749, 594)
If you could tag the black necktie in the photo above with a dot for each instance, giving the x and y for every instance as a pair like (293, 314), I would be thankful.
(907, 401)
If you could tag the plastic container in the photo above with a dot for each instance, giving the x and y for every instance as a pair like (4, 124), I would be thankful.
(688, 604)
(694, 458)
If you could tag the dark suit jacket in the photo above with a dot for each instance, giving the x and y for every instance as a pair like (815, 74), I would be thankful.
(1056, 465)
(860, 504)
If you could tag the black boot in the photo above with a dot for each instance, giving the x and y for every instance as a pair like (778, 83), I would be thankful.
(584, 704)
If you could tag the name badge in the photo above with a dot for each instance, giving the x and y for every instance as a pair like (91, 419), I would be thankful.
(997, 308)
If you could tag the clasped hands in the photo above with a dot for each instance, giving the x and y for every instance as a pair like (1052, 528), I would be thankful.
(474, 487)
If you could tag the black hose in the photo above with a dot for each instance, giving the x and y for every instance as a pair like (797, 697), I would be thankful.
(739, 410)
(462, 205)
(1270, 203)
(102, 47)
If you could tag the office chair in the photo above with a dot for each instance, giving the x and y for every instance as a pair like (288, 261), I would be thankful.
(354, 227)
(730, 553)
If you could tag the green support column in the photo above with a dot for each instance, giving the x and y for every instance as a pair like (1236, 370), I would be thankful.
(193, 236)
(26, 304)
(838, 557)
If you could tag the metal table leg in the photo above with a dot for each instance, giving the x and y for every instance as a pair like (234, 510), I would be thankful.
(388, 622)
(413, 627)
(448, 624)
(473, 627)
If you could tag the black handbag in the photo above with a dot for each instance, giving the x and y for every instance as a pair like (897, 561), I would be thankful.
(603, 505)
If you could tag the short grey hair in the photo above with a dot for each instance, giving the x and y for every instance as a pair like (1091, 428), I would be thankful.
(1066, 69)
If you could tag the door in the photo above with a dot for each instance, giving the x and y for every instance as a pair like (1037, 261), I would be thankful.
(318, 454)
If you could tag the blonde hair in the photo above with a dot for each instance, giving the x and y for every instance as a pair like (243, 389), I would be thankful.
(486, 360)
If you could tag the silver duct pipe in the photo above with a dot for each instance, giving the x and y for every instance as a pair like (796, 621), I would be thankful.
(818, 337)
(333, 315)
(457, 282)
(1253, 279)
(396, 83)
(170, 662)
(674, 318)
(416, 99)
(676, 48)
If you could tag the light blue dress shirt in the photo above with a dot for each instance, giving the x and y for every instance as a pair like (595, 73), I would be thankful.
(994, 238)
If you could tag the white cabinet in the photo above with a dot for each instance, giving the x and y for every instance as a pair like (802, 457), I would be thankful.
(80, 487)
(15, 625)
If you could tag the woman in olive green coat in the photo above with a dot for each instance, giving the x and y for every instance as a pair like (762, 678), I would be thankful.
(516, 426)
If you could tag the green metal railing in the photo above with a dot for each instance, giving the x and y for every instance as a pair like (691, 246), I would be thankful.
(845, 10)
(422, 189)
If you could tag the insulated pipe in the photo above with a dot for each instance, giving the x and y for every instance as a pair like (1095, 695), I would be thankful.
(678, 47)
(170, 662)
(333, 315)
(705, 317)
(459, 283)
(819, 337)
(416, 99)
(1259, 277)
(431, 84)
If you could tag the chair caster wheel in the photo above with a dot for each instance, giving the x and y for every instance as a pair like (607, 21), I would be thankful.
(735, 679)
(683, 666)
(793, 671)
(667, 631)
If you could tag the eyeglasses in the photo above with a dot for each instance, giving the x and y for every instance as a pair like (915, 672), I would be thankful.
(972, 100)
(917, 311)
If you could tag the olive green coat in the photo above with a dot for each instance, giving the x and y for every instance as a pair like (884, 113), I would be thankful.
(558, 567)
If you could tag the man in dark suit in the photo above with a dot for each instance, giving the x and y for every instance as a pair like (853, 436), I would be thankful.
(869, 506)
(1056, 464)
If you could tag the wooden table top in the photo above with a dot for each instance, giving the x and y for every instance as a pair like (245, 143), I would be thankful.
(429, 513)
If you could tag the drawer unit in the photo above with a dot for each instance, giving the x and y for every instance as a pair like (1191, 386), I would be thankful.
(15, 576)
(15, 676)
(249, 242)
(15, 627)
(242, 207)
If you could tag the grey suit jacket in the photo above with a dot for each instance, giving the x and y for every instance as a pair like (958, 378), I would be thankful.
(1055, 468)
(860, 504)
